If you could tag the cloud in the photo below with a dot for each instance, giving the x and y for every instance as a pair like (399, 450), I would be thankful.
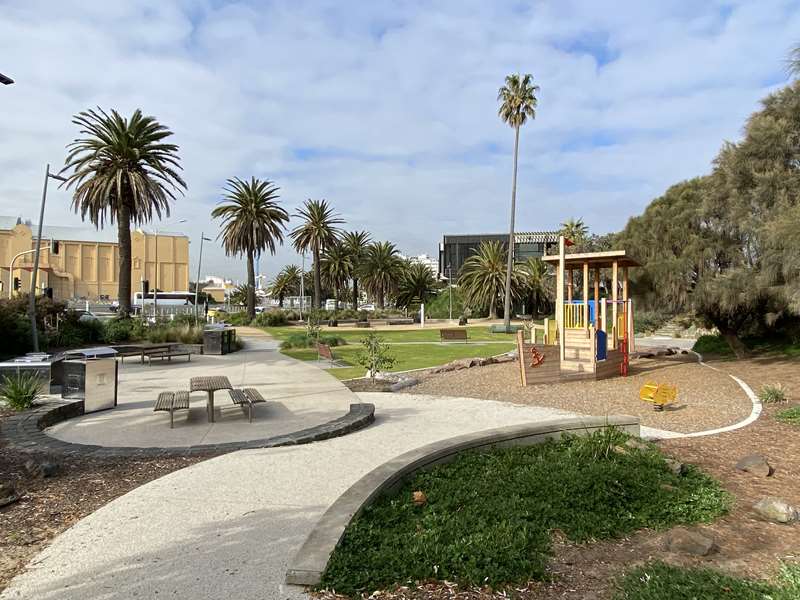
(388, 109)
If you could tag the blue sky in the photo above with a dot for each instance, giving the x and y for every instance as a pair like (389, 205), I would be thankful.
(388, 109)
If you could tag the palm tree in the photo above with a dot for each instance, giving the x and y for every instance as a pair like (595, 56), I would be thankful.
(517, 104)
(123, 172)
(356, 243)
(382, 269)
(280, 287)
(417, 285)
(336, 268)
(794, 61)
(252, 221)
(316, 233)
(483, 277)
(292, 275)
(574, 230)
(537, 285)
(239, 294)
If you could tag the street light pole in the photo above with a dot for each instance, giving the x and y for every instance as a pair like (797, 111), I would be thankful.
(35, 272)
(302, 285)
(450, 289)
(197, 281)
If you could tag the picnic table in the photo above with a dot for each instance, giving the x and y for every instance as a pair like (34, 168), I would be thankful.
(209, 385)
(142, 350)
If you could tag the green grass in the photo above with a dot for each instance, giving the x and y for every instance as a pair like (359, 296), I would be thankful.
(476, 333)
(659, 581)
(790, 416)
(488, 517)
(408, 356)
(717, 345)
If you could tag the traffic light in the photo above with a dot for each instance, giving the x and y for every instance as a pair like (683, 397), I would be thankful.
(53, 246)
(17, 283)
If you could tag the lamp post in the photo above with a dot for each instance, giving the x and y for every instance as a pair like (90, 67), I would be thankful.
(35, 272)
(155, 287)
(450, 289)
(302, 285)
(197, 281)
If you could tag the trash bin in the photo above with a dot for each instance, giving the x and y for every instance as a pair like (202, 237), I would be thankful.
(219, 339)
(48, 367)
(91, 374)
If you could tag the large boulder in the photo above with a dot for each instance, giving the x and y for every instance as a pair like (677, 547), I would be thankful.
(8, 494)
(689, 541)
(755, 464)
(776, 510)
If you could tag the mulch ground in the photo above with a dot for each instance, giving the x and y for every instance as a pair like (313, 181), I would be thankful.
(748, 546)
(49, 506)
(706, 399)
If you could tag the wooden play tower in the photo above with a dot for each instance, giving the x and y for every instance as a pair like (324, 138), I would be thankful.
(591, 336)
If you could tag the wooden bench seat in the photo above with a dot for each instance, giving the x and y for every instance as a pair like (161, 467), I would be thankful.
(169, 355)
(170, 402)
(400, 321)
(449, 335)
(246, 397)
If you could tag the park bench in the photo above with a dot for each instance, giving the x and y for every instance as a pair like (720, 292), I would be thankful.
(402, 321)
(168, 354)
(142, 351)
(170, 402)
(451, 335)
(246, 397)
(325, 352)
(362, 323)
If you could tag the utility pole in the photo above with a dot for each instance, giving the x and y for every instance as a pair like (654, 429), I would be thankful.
(302, 285)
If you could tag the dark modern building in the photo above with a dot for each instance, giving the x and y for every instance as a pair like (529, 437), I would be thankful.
(455, 249)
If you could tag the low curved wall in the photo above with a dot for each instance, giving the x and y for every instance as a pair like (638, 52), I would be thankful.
(25, 432)
(309, 563)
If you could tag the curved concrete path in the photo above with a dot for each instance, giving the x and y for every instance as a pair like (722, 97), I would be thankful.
(298, 395)
(227, 527)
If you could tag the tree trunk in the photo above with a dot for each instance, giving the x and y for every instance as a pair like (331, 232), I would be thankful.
(355, 293)
(124, 274)
(251, 287)
(280, 301)
(317, 285)
(381, 303)
(510, 265)
(738, 347)
(493, 305)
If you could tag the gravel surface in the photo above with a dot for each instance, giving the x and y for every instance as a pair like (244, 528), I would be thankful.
(706, 399)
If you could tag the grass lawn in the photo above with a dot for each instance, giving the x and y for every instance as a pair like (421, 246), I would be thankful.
(476, 333)
(659, 581)
(407, 356)
(489, 516)
(790, 416)
(716, 345)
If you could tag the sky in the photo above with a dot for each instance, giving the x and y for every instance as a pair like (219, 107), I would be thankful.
(388, 110)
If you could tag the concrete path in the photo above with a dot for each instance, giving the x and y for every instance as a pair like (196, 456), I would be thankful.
(226, 528)
(299, 396)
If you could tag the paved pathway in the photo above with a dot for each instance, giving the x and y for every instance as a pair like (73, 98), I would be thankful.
(298, 395)
(226, 527)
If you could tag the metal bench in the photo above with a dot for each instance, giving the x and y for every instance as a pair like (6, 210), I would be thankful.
(169, 355)
(170, 402)
(447, 335)
(246, 397)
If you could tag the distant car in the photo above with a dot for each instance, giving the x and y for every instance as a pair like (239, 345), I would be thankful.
(260, 309)
(367, 307)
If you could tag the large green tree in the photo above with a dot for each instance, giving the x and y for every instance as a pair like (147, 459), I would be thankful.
(575, 230)
(316, 232)
(517, 99)
(336, 267)
(482, 279)
(356, 243)
(537, 286)
(381, 271)
(417, 285)
(123, 171)
(252, 222)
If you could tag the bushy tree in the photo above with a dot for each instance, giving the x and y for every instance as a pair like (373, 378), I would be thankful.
(417, 285)
(483, 277)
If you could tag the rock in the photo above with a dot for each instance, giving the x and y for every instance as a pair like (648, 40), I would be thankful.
(676, 466)
(776, 510)
(755, 464)
(670, 352)
(403, 383)
(689, 541)
(637, 444)
(31, 467)
(420, 499)
(647, 355)
(8, 494)
(684, 352)
(47, 468)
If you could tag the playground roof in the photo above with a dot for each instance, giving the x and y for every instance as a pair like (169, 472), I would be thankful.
(596, 260)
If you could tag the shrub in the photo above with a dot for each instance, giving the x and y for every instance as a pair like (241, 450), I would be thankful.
(273, 318)
(237, 318)
(74, 331)
(374, 355)
(118, 330)
(773, 393)
(488, 516)
(649, 320)
(21, 389)
(301, 340)
(712, 344)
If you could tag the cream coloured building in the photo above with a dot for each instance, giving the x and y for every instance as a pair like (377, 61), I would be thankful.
(87, 262)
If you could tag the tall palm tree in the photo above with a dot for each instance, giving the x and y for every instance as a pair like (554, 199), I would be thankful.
(574, 230)
(252, 222)
(483, 277)
(517, 104)
(124, 172)
(537, 285)
(280, 287)
(794, 61)
(292, 275)
(356, 243)
(382, 269)
(336, 267)
(417, 285)
(317, 232)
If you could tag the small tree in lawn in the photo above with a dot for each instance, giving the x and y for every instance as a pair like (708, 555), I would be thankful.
(374, 355)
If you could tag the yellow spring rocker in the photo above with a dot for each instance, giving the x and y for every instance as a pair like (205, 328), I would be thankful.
(660, 394)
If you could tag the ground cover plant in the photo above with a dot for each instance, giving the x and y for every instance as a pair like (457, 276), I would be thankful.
(790, 416)
(488, 517)
(772, 393)
(476, 333)
(659, 581)
(20, 390)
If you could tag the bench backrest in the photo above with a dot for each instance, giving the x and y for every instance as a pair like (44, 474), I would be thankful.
(325, 351)
(453, 334)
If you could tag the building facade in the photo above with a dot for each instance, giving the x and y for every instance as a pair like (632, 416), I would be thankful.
(86, 265)
(455, 249)
(424, 259)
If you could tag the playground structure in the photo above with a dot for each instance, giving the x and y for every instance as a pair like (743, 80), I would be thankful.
(590, 337)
